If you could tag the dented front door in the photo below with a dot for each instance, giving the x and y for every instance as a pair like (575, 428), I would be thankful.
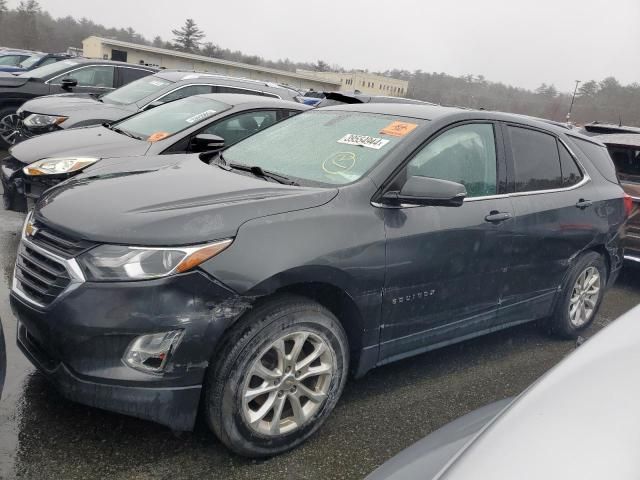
(445, 268)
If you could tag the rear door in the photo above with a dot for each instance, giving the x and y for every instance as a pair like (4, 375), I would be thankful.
(555, 219)
(129, 74)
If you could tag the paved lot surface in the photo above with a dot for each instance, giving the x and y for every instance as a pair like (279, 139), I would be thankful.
(43, 436)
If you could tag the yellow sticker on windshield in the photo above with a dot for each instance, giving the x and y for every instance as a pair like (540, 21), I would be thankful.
(155, 137)
(399, 129)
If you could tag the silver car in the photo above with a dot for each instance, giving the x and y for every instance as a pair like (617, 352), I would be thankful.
(579, 421)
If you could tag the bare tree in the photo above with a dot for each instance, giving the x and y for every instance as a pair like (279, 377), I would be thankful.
(322, 66)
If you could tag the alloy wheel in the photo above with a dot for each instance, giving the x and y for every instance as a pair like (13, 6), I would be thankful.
(288, 383)
(9, 128)
(584, 297)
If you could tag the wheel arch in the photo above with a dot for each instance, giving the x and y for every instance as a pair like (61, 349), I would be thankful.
(328, 287)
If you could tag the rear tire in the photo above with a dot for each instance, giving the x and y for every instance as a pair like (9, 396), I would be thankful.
(8, 127)
(581, 296)
(278, 376)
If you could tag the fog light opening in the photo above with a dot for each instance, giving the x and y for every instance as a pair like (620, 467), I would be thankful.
(150, 353)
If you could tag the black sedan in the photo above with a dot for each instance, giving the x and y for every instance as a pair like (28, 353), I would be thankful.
(192, 124)
(77, 75)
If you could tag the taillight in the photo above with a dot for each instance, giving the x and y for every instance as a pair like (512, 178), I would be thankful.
(628, 205)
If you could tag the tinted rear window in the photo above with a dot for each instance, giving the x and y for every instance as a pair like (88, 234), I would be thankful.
(571, 173)
(600, 158)
(537, 164)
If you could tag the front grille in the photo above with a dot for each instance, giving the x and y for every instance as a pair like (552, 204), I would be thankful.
(39, 276)
(58, 243)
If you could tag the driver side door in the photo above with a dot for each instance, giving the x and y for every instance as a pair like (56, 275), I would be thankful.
(91, 79)
(233, 128)
(446, 264)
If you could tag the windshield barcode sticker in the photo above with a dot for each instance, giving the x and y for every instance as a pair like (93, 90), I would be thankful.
(363, 141)
(200, 116)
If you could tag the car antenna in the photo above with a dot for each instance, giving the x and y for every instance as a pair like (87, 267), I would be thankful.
(620, 116)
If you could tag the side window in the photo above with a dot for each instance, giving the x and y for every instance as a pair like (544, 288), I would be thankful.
(96, 76)
(222, 89)
(599, 157)
(128, 75)
(536, 159)
(186, 92)
(464, 154)
(233, 129)
(49, 60)
(571, 174)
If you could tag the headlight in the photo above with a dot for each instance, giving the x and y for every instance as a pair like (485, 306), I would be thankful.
(36, 120)
(119, 263)
(58, 166)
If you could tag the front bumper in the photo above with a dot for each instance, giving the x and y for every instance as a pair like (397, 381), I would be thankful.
(78, 342)
(15, 182)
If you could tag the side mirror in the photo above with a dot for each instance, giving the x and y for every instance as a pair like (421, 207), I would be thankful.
(428, 191)
(206, 142)
(68, 83)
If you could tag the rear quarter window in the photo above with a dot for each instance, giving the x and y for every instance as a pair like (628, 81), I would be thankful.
(599, 157)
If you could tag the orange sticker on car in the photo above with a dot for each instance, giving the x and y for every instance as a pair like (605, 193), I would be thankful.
(399, 129)
(155, 137)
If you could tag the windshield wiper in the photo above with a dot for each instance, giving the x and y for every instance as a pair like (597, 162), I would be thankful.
(259, 172)
(123, 132)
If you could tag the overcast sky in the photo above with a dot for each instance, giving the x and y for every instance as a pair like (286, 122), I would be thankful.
(522, 43)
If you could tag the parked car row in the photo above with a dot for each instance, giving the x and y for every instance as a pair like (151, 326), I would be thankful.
(259, 254)
(76, 75)
(192, 124)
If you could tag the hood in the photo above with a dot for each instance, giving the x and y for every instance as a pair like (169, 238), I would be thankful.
(78, 107)
(96, 141)
(179, 201)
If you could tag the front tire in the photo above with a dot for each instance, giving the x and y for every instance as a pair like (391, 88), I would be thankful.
(8, 127)
(277, 378)
(12, 200)
(580, 298)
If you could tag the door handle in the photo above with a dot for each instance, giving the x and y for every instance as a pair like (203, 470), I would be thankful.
(497, 217)
(582, 204)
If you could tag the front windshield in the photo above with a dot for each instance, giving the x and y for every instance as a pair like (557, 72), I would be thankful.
(166, 120)
(51, 69)
(31, 61)
(12, 60)
(136, 91)
(324, 147)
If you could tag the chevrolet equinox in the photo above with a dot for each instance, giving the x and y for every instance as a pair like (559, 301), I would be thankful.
(250, 282)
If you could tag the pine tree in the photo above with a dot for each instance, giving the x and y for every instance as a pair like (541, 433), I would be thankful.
(28, 11)
(188, 37)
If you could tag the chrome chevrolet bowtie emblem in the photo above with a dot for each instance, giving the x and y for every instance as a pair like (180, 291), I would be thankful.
(31, 230)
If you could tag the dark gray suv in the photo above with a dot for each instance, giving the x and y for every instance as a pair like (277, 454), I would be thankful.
(57, 112)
